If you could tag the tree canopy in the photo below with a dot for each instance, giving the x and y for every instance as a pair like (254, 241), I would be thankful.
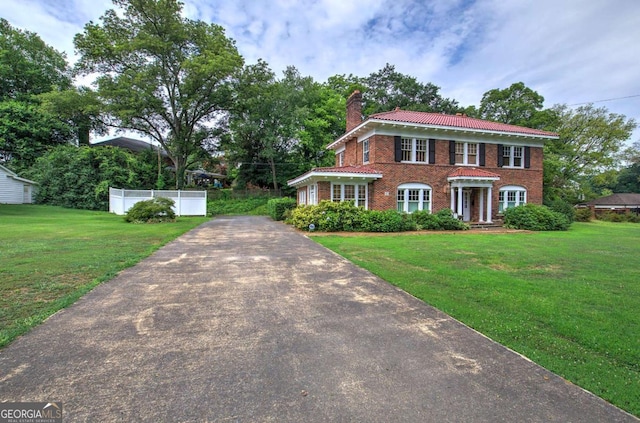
(160, 74)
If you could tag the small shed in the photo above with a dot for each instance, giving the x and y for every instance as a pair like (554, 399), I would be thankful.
(14, 189)
(617, 203)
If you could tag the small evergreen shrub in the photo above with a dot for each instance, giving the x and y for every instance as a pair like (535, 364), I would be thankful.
(565, 208)
(583, 215)
(277, 207)
(158, 209)
(535, 217)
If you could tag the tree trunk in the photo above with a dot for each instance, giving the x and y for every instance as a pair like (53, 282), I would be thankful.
(273, 173)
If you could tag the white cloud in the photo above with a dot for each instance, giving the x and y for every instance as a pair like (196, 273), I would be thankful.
(570, 51)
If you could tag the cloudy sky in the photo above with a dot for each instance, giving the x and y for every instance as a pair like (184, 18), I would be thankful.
(569, 51)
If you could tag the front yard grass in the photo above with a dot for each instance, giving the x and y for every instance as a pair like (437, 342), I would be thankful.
(570, 301)
(51, 256)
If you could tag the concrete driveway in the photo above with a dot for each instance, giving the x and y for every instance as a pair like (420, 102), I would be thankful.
(245, 320)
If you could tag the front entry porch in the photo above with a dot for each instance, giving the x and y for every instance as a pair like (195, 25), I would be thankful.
(472, 194)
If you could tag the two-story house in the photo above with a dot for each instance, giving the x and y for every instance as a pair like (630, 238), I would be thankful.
(429, 161)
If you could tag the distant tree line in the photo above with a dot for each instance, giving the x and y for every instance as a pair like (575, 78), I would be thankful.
(183, 84)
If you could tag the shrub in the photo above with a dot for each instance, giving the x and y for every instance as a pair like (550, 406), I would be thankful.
(386, 221)
(565, 208)
(535, 217)
(278, 207)
(442, 220)
(158, 209)
(237, 206)
(583, 215)
(611, 216)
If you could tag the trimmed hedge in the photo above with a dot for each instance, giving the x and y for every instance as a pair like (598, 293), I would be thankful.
(156, 210)
(278, 207)
(331, 216)
(534, 217)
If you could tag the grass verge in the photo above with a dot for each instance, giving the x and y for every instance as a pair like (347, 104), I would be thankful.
(567, 300)
(51, 256)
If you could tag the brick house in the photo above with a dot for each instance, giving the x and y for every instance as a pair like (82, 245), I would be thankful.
(411, 161)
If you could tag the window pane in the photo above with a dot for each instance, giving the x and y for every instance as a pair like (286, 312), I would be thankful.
(426, 195)
(522, 197)
(421, 150)
(406, 149)
(511, 196)
(414, 195)
(459, 152)
(517, 156)
(362, 195)
(336, 193)
(472, 154)
(413, 206)
(349, 192)
(365, 150)
(400, 200)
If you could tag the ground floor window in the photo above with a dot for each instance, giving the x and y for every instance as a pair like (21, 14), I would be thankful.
(412, 197)
(302, 197)
(349, 192)
(511, 196)
(312, 195)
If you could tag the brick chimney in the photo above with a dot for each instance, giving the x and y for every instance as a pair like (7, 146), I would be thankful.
(354, 110)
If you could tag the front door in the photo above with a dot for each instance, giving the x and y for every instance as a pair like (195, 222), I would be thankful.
(466, 205)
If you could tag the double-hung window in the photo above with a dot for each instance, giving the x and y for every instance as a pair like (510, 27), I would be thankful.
(466, 153)
(414, 150)
(365, 151)
(511, 196)
(412, 197)
(512, 156)
(341, 158)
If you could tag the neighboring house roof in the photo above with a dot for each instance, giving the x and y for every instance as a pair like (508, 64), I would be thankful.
(356, 173)
(441, 122)
(11, 174)
(617, 200)
(129, 143)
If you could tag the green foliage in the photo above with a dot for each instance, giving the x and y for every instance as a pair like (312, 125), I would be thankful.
(516, 105)
(583, 215)
(238, 206)
(534, 217)
(80, 177)
(161, 74)
(278, 207)
(331, 216)
(155, 210)
(442, 220)
(565, 208)
(26, 133)
(619, 217)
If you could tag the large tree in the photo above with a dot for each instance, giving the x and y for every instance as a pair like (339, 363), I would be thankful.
(590, 139)
(160, 74)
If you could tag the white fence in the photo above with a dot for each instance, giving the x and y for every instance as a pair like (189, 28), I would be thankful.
(188, 203)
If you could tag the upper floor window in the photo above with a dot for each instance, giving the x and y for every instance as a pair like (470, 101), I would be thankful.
(412, 197)
(511, 196)
(414, 150)
(466, 153)
(341, 158)
(365, 151)
(512, 156)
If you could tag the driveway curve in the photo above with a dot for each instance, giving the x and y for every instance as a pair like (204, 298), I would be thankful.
(245, 320)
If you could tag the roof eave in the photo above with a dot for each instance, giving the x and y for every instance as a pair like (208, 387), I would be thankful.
(313, 176)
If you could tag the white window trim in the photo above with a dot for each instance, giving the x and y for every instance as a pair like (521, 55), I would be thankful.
(340, 154)
(504, 192)
(414, 150)
(302, 197)
(422, 188)
(357, 189)
(465, 158)
(511, 149)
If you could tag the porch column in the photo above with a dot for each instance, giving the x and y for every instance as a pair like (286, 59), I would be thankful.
(459, 209)
(481, 218)
(453, 199)
(489, 192)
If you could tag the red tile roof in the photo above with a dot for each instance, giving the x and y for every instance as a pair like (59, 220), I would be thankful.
(472, 172)
(458, 121)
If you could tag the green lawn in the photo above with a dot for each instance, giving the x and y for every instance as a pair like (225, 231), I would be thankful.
(569, 301)
(51, 256)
